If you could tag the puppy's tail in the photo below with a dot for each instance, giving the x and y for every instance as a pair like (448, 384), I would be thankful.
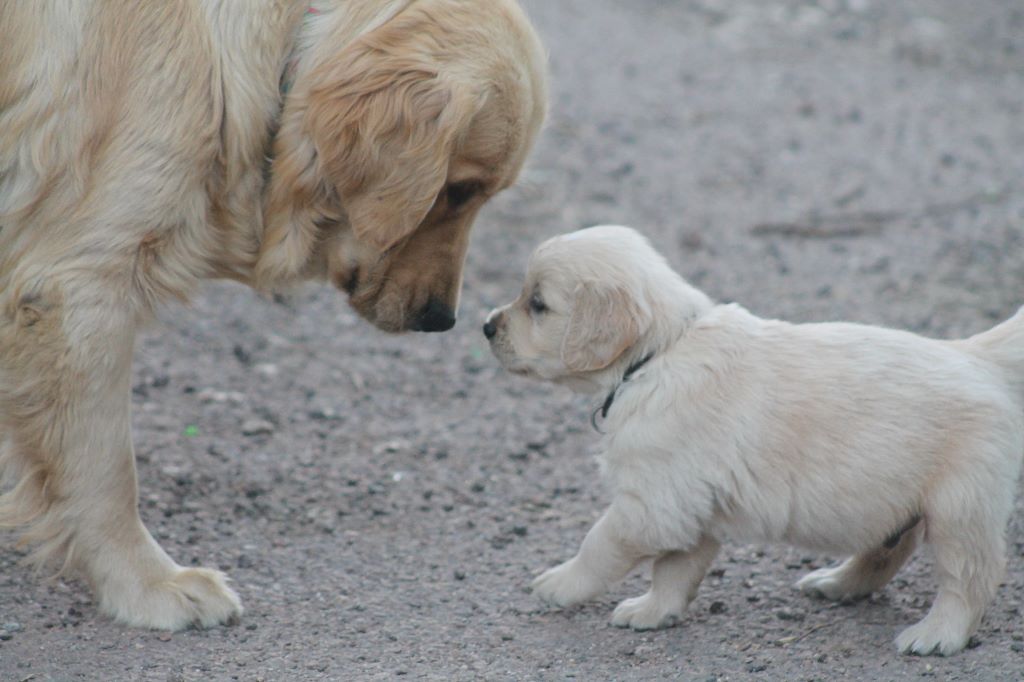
(1003, 345)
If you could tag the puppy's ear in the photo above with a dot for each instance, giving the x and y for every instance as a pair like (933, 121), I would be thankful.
(605, 322)
(380, 124)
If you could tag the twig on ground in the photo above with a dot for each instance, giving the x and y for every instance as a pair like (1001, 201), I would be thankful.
(796, 638)
(858, 224)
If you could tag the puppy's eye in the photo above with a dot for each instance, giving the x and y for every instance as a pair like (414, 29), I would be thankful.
(537, 305)
(458, 194)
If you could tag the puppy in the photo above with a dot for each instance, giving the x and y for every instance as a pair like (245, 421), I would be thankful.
(719, 425)
(148, 146)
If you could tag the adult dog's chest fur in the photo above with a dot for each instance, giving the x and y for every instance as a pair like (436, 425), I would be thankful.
(149, 145)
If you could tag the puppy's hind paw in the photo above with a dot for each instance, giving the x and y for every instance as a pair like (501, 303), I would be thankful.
(646, 613)
(932, 636)
(830, 583)
(567, 584)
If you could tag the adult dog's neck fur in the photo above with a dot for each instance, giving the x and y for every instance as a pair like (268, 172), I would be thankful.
(283, 44)
(332, 24)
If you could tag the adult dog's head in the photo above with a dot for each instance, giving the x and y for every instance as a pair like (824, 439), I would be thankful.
(404, 117)
(593, 300)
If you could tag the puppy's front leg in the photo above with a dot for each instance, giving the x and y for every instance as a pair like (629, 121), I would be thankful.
(675, 578)
(608, 553)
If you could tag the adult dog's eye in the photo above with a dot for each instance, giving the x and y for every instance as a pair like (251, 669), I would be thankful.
(536, 304)
(458, 193)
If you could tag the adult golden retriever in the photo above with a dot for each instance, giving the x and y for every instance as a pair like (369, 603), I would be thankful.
(147, 146)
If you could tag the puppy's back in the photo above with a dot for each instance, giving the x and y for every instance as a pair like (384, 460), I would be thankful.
(836, 420)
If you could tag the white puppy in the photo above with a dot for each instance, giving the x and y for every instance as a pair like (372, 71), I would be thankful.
(719, 425)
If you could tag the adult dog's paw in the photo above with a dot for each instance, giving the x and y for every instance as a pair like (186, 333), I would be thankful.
(190, 598)
(567, 584)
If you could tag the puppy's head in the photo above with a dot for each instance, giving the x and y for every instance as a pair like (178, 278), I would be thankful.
(587, 300)
(389, 147)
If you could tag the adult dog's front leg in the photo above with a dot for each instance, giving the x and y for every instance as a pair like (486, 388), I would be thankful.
(607, 554)
(65, 373)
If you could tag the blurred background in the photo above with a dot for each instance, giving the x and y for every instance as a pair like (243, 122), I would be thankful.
(381, 502)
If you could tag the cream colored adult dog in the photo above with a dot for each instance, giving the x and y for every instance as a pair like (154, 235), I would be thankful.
(134, 147)
(722, 426)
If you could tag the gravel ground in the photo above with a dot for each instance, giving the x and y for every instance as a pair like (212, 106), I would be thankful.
(382, 502)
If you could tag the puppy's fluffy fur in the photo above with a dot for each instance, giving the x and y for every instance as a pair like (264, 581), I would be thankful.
(134, 145)
(838, 437)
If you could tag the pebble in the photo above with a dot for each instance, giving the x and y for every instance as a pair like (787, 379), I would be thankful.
(324, 414)
(267, 369)
(717, 607)
(257, 427)
(243, 356)
(923, 41)
(391, 447)
(210, 395)
(790, 614)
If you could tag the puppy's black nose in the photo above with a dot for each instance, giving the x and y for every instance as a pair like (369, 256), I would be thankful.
(434, 317)
(490, 329)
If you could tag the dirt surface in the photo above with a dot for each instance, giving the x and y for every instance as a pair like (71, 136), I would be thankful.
(382, 502)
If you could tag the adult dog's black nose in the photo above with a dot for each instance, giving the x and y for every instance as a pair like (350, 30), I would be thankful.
(490, 329)
(435, 317)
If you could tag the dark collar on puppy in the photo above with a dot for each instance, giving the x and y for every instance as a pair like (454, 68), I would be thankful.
(630, 371)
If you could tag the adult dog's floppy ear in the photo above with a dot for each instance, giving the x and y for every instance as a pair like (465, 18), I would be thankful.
(385, 120)
(606, 320)
(378, 127)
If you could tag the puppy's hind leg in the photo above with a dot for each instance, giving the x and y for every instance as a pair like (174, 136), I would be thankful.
(65, 387)
(965, 530)
(862, 574)
(674, 581)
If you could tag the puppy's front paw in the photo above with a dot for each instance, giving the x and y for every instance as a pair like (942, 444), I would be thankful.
(567, 584)
(646, 613)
